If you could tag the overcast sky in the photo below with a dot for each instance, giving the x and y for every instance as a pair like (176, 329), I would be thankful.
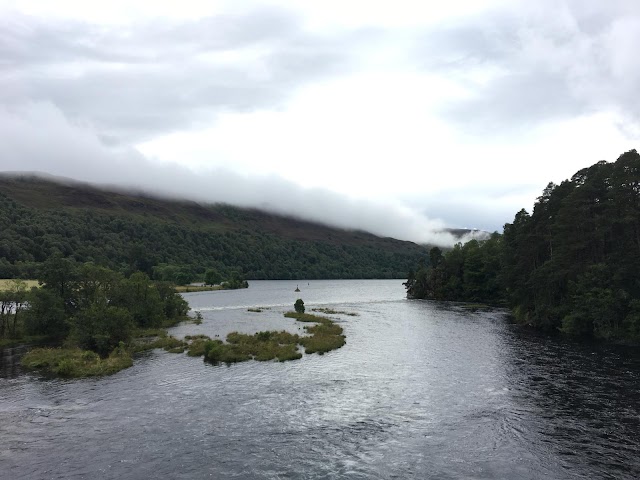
(395, 117)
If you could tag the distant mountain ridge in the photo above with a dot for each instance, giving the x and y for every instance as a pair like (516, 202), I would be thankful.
(40, 215)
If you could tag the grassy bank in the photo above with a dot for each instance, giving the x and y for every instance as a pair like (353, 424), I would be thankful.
(9, 283)
(76, 363)
(197, 288)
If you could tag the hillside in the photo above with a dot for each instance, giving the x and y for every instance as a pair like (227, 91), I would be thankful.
(126, 230)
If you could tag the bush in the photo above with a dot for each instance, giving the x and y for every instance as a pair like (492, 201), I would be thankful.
(299, 306)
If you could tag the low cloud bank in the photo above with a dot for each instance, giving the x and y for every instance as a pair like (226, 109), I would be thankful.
(37, 137)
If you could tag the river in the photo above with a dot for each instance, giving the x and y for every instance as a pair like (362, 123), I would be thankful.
(421, 390)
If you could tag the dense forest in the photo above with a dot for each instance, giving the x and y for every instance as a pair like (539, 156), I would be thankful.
(572, 264)
(178, 241)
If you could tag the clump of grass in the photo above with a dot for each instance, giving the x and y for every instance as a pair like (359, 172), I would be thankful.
(254, 310)
(197, 346)
(331, 311)
(76, 363)
(307, 317)
(325, 336)
(240, 347)
(164, 341)
(150, 332)
(215, 352)
(322, 343)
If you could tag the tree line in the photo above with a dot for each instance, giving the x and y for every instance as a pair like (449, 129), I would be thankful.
(572, 264)
(87, 306)
(180, 248)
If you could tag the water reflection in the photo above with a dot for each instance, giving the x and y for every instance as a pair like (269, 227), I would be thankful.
(582, 399)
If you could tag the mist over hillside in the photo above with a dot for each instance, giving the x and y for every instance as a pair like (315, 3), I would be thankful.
(130, 231)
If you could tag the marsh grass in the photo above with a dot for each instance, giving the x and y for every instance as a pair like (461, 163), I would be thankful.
(197, 345)
(254, 310)
(169, 343)
(76, 363)
(331, 311)
(261, 346)
(325, 335)
(322, 344)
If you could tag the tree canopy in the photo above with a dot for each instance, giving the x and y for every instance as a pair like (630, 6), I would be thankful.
(572, 264)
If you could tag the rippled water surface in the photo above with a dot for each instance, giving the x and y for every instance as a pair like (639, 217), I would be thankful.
(421, 390)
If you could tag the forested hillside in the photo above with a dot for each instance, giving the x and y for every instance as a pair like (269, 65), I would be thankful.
(573, 264)
(178, 240)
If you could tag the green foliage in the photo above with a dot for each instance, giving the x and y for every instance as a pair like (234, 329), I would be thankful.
(45, 315)
(235, 281)
(212, 277)
(96, 307)
(13, 301)
(571, 265)
(299, 306)
(174, 241)
(101, 327)
(467, 273)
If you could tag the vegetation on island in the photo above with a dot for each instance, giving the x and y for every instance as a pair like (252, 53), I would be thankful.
(322, 337)
(571, 265)
(102, 318)
(86, 308)
(179, 241)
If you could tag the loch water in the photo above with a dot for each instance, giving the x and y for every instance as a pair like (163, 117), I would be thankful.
(421, 390)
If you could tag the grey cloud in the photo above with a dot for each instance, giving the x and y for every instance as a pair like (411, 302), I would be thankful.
(29, 40)
(38, 137)
(145, 80)
(550, 61)
(484, 206)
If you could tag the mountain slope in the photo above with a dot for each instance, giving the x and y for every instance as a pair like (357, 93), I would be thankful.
(128, 230)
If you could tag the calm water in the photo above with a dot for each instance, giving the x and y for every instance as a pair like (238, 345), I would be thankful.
(421, 390)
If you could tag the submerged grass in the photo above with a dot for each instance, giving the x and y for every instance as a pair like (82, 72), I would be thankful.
(76, 363)
(331, 311)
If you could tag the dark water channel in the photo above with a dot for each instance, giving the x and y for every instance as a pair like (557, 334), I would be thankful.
(421, 390)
